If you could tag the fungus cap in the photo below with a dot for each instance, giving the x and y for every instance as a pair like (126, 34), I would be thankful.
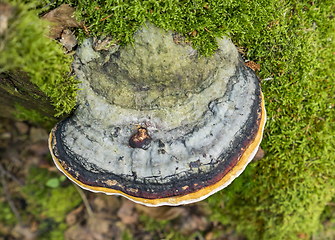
(157, 123)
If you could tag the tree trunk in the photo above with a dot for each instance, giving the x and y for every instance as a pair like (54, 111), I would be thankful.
(18, 97)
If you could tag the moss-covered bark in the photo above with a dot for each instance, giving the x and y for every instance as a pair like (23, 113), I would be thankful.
(18, 97)
(32, 64)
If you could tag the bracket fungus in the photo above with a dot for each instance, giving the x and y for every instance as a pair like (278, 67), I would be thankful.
(157, 123)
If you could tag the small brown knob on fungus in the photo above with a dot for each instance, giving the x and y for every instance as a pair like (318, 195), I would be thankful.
(141, 139)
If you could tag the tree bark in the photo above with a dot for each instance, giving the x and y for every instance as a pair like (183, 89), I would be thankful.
(17, 90)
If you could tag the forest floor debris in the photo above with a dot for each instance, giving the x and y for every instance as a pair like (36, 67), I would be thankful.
(97, 216)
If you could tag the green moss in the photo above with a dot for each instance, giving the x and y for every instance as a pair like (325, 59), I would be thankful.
(126, 235)
(283, 195)
(201, 22)
(11, 90)
(163, 228)
(25, 46)
(152, 224)
(46, 201)
(49, 205)
(327, 231)
(35, 96)
(32, 115)
(6, 214)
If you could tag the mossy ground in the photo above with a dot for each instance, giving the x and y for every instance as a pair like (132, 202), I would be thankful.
(48, 202)
(289, 194)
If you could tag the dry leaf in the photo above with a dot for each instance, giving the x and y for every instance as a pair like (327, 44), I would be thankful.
(5, 12)
(62, 18)
(34, 226)
(78, 232)
(127, 212)
(100, 225)
(72, 217)
(193, 220)
(254, 66)
(68, 39)
(39, 149)
(209, 236)
(38, 134)
(5, 229)
(162, 213)
(192, 223)
(22, 127)
(241, 50)
(104, 43)
(105, 203)
(94, 229)
(303, 235)
(13, 153)
(99, 204)
(23, 232)
(259, 155)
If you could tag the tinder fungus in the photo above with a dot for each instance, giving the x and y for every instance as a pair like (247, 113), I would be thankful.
(158, 123)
